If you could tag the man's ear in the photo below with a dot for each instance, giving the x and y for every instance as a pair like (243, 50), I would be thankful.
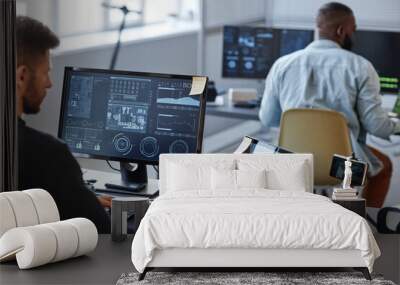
(339, 31)
(21, 76)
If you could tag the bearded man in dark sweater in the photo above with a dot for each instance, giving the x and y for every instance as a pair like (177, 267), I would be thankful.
(44, 161)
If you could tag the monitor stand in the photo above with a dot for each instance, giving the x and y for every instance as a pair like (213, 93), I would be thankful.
(132, 180)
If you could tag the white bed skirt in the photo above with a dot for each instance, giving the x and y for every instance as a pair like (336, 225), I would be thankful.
(189, 257)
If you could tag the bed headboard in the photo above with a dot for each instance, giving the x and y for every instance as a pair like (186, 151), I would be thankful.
(270, 160)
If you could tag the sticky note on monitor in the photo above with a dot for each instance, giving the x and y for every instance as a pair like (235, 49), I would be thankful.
(198, 85)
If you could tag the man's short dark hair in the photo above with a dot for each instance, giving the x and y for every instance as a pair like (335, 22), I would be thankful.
(332, 14)
(33, 40)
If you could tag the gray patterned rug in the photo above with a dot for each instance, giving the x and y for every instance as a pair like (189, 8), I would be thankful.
(243, 278)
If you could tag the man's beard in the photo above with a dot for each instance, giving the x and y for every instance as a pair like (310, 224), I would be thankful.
(347, 43)
(29, 105)
(30, 108)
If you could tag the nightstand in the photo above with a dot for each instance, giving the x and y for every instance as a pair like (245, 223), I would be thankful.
(355, 205)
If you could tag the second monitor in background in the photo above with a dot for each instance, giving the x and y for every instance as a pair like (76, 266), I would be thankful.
(382, 49)
(250, 52)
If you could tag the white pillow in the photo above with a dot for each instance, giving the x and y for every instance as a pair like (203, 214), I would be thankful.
(293, 179)
(183, 177)
(223, 179)
(237, 179)
(187, 176)
(280, 175)
(251, 178)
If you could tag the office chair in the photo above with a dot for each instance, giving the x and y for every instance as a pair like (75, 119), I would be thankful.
(320, 132)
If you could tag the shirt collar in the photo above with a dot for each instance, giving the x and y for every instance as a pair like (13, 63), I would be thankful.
(324, 44)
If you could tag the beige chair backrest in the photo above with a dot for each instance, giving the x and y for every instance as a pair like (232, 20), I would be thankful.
(320, 132)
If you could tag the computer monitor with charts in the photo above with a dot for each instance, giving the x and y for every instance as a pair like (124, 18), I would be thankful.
(291, 40)
(250, 52)
(382, 49)
(131, 116)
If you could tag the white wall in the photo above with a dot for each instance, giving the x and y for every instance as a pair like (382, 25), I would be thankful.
(41, 10)
(224, 12)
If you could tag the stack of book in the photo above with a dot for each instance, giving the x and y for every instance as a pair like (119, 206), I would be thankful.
(344, 194)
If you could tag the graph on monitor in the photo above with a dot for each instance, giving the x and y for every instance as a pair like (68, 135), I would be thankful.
(176, 96)
(175, 124)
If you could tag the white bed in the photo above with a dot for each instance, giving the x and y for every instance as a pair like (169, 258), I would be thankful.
(197, 224)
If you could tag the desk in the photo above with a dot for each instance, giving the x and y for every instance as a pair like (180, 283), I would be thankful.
(227, 125)
(103, 177)
(102, 266)
(233, 112)
(229, 111)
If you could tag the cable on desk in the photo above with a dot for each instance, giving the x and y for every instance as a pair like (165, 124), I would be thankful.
(112, 167)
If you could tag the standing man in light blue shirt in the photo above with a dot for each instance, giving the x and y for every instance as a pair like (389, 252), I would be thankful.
(327, 75)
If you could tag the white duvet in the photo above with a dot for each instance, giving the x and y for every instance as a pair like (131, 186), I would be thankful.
(250, 219)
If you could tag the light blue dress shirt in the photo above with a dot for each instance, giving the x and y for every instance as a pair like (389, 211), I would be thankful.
(325, 76)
